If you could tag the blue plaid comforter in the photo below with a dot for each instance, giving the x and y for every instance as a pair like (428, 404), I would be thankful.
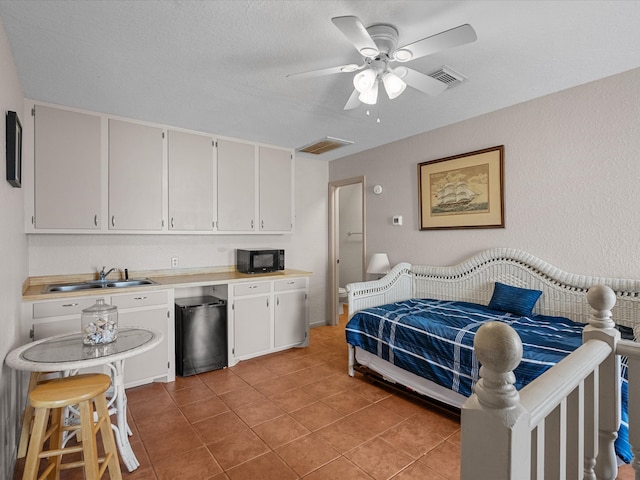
(434, 339)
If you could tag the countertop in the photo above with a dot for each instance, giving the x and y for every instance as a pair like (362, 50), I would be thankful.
(33, 287)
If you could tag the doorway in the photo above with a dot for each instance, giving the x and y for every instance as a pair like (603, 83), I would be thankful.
(347, 239)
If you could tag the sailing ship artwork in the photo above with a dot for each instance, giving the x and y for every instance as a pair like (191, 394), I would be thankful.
(460, 191)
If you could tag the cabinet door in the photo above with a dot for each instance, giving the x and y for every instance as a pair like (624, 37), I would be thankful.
(236, 186)
(276, 189)
(252, 325)
(191, 181)
(155, 362)
(135, 176)
(68, 180)
(290, 318)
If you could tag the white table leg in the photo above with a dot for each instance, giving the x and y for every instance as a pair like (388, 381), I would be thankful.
(121, 429)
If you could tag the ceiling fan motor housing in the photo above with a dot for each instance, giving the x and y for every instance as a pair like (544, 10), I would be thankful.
(385, 37)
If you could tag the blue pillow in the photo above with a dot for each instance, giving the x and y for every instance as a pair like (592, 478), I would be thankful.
(519, 301)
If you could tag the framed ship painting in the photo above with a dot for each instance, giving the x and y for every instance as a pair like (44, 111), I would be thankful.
(463, 191)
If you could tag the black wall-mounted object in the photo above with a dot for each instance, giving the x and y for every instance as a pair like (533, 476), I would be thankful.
(14, 149)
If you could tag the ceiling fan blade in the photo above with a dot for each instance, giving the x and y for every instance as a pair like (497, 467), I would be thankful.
(352, 67)
(356, 33)
(353, 101)
(441, 41)
(422, 82)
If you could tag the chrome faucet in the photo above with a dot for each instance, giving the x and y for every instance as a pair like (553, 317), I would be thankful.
(103, 275)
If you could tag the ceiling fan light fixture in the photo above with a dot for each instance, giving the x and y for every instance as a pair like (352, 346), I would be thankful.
(403, 55)
(393, 85)
(365, 80)
(370, 97)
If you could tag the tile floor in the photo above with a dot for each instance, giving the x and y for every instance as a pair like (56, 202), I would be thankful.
(289, 415)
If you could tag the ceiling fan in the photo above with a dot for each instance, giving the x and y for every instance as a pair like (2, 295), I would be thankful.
(378, 46)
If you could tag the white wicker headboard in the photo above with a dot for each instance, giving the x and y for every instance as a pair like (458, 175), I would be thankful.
(563, 294)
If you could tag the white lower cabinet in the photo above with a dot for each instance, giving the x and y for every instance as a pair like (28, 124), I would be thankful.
(252, 324)
(152, 309)
(289, 312)
(267, 316)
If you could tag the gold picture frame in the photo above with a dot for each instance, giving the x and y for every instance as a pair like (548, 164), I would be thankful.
(462, 191)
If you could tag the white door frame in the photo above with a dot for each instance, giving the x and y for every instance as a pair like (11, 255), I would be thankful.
(333, 296)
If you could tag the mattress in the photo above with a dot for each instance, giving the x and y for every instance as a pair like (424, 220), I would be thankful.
(433, 340)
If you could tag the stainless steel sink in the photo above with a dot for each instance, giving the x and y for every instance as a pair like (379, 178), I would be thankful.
(72, 287)
(130, 283)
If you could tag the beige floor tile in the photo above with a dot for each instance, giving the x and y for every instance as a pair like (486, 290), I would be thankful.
(280, 431)
(307, 454)
(316, 415)
(379, 458)
(236, 449)
(265, 467)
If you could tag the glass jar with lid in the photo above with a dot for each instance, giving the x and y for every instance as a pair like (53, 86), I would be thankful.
(99, 323)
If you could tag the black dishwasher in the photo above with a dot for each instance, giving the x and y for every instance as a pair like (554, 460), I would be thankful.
(201, 334)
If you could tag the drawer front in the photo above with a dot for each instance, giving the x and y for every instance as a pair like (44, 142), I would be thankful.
(68, 306)
(251, 288)
(290, 284)
(140, 299)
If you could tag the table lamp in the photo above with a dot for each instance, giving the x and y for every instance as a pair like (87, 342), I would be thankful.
(378, 264)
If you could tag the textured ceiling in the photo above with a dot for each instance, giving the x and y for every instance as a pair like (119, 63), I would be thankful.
(220, 66)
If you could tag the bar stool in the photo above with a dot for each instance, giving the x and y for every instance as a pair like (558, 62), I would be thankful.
(50, 399)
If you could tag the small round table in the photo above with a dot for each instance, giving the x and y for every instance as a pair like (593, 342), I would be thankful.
(67, 354)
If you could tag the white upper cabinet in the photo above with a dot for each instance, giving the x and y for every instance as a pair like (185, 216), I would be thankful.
(89, 172)
(67, 164)
(276, 188)
(135, 176)
(192, 184)
(236, 186)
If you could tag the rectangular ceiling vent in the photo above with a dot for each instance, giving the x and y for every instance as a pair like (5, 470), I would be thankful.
(449, 76)
(324, 145)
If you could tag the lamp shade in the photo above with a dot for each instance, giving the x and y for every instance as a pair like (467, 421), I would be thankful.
(379, 263)
(370, 97)
(365, 80)
(393, 85)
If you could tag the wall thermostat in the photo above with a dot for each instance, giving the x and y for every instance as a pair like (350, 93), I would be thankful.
(397, 220)
(377, 189)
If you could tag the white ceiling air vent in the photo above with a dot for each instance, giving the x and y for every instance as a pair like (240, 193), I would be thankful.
(324, 145)
(449, 76)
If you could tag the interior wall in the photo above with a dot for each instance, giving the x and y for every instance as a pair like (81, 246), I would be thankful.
(571, 182)
(350, 241)
(305, 249)
(13, 250)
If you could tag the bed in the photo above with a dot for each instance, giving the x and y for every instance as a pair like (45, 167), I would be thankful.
(415, 326)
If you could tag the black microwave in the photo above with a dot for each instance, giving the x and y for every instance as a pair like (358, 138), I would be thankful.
(259, 260)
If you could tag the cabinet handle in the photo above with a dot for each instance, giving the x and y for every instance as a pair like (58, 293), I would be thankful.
(95, 219)
(291, 282)
(253, 286)
(171, 222)
(277, 301)
(139, 298)
(252, 224)
(113, 220)
(262, 225)
(70, 305)
(267, 302)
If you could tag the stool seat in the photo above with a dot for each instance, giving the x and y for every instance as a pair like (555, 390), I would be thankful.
(62, 392)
